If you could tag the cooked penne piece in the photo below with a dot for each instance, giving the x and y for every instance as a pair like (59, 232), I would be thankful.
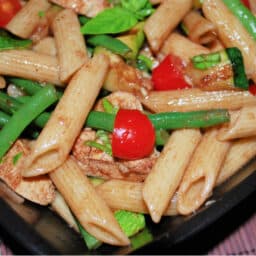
(196, 99)
(182, 47)
(69, 42)
(60, 206)
(164, 179)
(199, 29)
(240, 153)
(167, 16)
(201, 174)
(232, 33)
(46, 46)
(30, 65)
(127, 195)
(215, 46)
(56, 139)
(89, 208)
(26, 20)
(242, 124)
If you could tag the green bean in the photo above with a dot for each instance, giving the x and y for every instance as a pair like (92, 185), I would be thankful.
(244, 15)
(4, 118)
(24, 116)
(110, 43)
(167, 120)
(9, 43)
(29, 86)
(10, 105)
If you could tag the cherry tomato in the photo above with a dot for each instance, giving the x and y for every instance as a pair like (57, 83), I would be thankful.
(8, 8)
(252, 89)
(133, 135)
(246, 3)
(168, 75)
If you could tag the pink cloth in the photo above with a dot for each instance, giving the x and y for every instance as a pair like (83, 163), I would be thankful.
(242, 241)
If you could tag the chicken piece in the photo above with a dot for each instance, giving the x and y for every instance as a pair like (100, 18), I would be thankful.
(95, 162)
(89, 8)
(39, 189)
(121, 99)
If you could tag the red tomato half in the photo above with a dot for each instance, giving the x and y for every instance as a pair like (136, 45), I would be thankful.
(246, 3)
(133, 135)
(8, 8)
(252, 89)
(168, 75)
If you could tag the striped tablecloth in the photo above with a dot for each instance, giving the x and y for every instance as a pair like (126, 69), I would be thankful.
(242, 241)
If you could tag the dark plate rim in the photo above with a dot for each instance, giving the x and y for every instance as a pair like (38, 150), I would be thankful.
(31, 240)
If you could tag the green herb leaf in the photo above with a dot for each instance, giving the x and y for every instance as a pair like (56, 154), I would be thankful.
(110, 21)
(41, 14)
(141, 8)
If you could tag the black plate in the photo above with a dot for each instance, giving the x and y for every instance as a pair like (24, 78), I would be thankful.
(40, 231)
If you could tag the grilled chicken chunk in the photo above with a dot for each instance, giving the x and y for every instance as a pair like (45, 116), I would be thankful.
(88, 8)
(39, 189)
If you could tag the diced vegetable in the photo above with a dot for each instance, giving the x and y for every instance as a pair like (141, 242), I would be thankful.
(230, 56)
(8, 42)
(168, 75)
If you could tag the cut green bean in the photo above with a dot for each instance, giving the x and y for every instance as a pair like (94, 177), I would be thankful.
(29, 86)
(24, 116)
(193, 119)
(10, 105)
(4, 118)
(167, 120)
(244, 15)
(9, 43)
(110, 43)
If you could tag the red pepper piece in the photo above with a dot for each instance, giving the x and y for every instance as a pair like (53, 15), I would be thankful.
(252, 89)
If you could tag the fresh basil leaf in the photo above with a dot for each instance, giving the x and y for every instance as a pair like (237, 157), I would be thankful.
(134, 5)
(141, 8)
(110, 21)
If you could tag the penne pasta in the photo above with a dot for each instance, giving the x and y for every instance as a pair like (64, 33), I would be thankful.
(241, 125)
(182, 47)
(88, 207)
(167, 16)
(60, 206)
(201, 174)
(167, 172)
(240, 153)
(199, 29)
(69, 42)
(56, 139)
(229, 27)
(127, 195)
(196, 99)
(26, 20)
(30, 65)
(46, 46)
